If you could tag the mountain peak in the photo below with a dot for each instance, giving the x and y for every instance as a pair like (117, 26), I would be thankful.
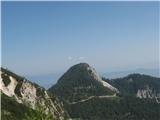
(83, 68)
(81, 81)
(81, 65)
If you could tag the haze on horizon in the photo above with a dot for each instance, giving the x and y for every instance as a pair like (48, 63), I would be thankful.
(49, 37)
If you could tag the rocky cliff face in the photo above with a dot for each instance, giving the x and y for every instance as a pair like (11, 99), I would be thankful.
(148, 92)
(80, 82)
(30, 94)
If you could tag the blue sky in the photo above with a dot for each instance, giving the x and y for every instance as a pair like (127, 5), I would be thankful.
(48, 37)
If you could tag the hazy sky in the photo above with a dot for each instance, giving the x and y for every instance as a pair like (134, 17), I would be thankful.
(49, 37)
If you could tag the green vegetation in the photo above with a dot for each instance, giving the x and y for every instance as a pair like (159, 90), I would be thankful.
(11, 110)
(69, 93)
(5, 79)
(40, 91)
(132, 83)
(17, 89)
(126, 108)
(39, 114)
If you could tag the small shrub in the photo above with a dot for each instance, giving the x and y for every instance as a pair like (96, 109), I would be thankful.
(17, 89)
(5, 79)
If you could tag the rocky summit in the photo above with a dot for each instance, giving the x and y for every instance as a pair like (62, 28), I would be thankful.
(80, 82)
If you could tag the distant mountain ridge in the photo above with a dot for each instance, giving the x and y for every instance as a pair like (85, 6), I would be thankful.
(152, 72)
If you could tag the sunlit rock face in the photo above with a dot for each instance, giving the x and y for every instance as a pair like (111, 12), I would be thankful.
(29, 93)
(148, 93)
(96, 76)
